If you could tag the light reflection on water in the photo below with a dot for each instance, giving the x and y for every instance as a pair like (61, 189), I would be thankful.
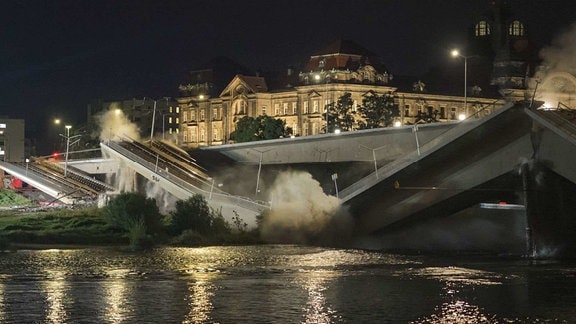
(284, 284)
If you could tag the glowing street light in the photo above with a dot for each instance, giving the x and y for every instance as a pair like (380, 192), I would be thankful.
(67, 149)
(456, 53)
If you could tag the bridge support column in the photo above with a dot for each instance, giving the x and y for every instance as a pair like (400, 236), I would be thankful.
(528, 210)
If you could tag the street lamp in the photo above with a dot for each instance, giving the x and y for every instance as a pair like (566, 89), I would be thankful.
(27, 161)
(334, 178)
(456, 53)
(68, 127)
(67, 149)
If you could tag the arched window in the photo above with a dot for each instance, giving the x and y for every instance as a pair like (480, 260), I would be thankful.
(240, 107)
(482, 28)
(516, 28)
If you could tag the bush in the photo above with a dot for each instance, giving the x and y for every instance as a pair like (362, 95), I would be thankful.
(193, 213)
(136, 215)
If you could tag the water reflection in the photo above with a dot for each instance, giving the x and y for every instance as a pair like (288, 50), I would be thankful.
(55, 289)
(2, 304)
(115, 296)
(315, 284)
(456, 309)
(201, 292)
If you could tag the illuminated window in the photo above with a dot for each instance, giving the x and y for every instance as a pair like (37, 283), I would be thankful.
(294, 108)
(306, 107)
(263, 110)
(285, 106)
(215, 113)
(170, 120)
(516, 28)
(315, 106)
(185, 116)
(276, 109)
(202, 114)
(170, 130)
(177, 120)
(482, 28)
(170, 110)
(177, 110)
(202, 135)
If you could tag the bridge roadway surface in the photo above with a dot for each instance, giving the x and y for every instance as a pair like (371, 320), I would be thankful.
(432, 170)
(419, 171)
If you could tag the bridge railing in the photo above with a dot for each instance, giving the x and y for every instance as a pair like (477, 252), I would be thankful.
(554, 120)
(419, 152)
(220, 196)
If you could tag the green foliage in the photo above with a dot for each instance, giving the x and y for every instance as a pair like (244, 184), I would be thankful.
(249, 129)
(10, 198)
(135, 214)
(193, 213)
(340, 114)
(378, 111)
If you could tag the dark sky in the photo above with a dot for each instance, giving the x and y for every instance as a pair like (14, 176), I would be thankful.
(57, 56)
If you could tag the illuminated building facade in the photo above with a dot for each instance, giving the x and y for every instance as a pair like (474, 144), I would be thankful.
(299, 99)
(12, 140)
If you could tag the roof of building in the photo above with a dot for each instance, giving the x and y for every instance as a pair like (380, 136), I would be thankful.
(342, 46)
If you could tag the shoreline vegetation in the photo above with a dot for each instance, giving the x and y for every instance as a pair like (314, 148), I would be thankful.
(130, 221)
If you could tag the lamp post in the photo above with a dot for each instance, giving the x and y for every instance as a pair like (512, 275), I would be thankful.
(67, 149)
(374, 156)
(456, 53)
(259, 169)
(67, 136)
(27, 161)
(334, 178)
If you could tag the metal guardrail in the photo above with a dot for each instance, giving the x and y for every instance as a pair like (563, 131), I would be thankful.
(555, 121)
(221, 196)
(418, 153)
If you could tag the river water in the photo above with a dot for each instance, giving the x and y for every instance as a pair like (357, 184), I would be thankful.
(280, 284)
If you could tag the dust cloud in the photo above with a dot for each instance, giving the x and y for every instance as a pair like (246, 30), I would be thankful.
(302, 213)
(114, 125)
(557, 58)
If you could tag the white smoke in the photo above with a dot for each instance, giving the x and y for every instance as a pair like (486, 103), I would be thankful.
(114, 125)
(165, 201)
(558, 59)
(561, 55)
(302, 213)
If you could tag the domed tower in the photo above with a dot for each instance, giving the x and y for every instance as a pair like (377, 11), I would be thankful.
(345, 62)
(502, 37)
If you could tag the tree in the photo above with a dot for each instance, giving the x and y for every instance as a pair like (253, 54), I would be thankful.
(264, 127)
(137, 215)
(378, 111)
(193, 213)
(340, 115)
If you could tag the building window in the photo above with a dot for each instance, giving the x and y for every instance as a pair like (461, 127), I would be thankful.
(170, 109)
(314, 128)
(452, 113)
(177, 120)
(294, 110)
(294, 129)
(315, 106)
(263, 110)
(406, 110)
(306, 107)
(215, 135)
(482, 28)
(516, 28)
(442, 112)
(202, 135)
(202, 114)
(185, 136)
(170, 130)
(193, 116)
(215, 113)
(277, 109)
(285, 106)
(240, 107)
(169, 119)
(185, 116)
(177, 109)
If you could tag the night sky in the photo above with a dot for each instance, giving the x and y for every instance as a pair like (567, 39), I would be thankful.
(57, 56)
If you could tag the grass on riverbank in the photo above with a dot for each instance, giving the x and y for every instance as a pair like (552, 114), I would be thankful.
(62, 226)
